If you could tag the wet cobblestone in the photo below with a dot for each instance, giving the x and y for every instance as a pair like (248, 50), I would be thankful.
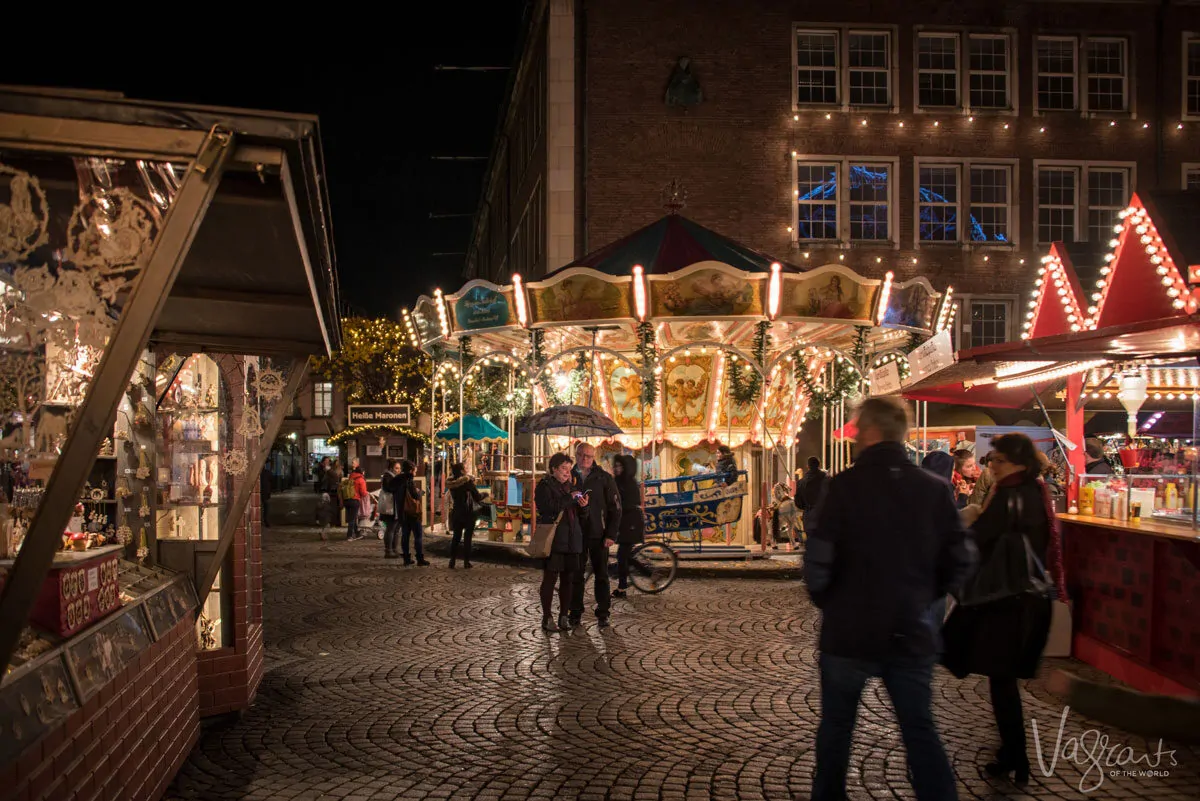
(387, 682)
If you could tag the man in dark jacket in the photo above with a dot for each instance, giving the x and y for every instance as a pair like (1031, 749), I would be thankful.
(1095, 464)
(600, 522)
(809, 489)
(885, 543)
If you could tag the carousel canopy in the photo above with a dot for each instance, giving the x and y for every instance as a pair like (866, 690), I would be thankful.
(474, 429)
(697, 314)
(669, 244)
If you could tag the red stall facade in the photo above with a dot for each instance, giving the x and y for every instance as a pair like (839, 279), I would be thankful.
(1113, 327)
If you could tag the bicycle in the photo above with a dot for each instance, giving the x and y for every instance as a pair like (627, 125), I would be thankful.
(652, 567)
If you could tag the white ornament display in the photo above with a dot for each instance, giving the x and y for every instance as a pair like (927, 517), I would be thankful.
(235, 462)
(269, 384)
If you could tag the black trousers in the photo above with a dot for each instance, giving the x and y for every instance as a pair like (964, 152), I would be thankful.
(624, 551)
(596, 552)
(1010, 720)
(463, 532)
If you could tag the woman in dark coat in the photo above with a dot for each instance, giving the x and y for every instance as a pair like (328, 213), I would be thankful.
(391, 518)
(633, 520)
(1000, 625)
(555, 501)
(465, 500)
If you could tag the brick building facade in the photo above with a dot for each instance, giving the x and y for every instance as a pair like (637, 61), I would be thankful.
(951, 140)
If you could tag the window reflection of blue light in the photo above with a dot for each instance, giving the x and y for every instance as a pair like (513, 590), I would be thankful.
(820, 222)
(977, 233)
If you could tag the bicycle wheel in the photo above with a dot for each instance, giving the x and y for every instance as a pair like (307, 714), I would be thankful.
(652, 567)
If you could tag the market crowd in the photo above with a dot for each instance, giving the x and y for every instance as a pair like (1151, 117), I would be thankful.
(952, 561)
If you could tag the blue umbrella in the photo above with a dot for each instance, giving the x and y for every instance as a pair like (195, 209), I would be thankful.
(474, 429)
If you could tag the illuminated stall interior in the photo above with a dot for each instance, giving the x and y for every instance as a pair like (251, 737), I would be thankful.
(687, 341)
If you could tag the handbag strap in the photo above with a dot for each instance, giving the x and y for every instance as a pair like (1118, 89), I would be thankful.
(1033, 566)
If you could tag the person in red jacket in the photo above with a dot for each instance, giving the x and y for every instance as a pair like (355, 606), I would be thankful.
(353, 497)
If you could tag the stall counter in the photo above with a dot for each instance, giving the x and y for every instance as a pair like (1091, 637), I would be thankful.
(1135, 589)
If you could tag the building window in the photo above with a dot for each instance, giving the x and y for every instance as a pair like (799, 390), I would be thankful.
(991, 194)
(1106, 75)
(1191, 177)
(1056, 66)
(322, 399)
(816, 67)
(989, 321)
(1058, 200)
(1108, 194)
(870, 187)
(318, 447)
(983, 190)
(870, 68)
(1068, 195)
(840, 200)
(1191, 83)
(843, 68)
(937, 70)
(937, 205)
(987, 71)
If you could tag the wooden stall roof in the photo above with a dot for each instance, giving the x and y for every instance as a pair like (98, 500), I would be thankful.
(260, 276)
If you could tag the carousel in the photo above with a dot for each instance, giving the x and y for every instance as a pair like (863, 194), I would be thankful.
(687, 341)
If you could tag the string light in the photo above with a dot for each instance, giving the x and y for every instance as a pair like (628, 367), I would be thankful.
(439, 303)
(943, 317)
(413, 336)
(1026, 379)
(1136, 226)
(1052, 274)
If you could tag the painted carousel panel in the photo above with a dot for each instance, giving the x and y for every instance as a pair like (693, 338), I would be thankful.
(707, 292)
(579, 298)
(831, 293)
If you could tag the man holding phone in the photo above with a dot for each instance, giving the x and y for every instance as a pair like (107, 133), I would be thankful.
(600, 520)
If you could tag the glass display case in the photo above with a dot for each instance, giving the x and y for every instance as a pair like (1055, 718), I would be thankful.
(1167, 500)
(192, 434)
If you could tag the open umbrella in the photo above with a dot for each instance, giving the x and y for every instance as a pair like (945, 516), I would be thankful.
(571, 421)
(474, 429)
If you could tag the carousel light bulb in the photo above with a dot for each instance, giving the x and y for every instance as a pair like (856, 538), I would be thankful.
(775, 287)
(639, 292)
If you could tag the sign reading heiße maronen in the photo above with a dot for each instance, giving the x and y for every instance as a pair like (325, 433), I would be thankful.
(362, 415)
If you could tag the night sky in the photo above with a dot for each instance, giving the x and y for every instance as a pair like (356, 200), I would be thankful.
(385, 112)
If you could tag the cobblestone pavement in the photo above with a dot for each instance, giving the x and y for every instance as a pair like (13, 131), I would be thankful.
(391, 682)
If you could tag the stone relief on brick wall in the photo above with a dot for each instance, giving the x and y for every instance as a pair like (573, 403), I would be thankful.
(683, 89)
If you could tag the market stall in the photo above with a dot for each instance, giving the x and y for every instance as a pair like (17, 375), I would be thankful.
(1123, 334)
(165, 271)
(687, 341)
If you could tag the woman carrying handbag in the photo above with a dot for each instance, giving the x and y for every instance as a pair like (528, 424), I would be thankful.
(1001, 620)
(557, 538)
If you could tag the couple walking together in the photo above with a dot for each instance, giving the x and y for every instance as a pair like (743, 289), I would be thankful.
(886, 546)
(592, 509)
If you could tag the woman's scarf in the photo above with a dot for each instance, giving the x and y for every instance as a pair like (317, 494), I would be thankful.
(1054, 557)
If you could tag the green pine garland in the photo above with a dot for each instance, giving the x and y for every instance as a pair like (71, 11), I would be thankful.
(744, 380)
(648, 354)
(537, 341)
(846, 378)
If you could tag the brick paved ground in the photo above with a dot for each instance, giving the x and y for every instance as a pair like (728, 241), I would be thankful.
(392, 682)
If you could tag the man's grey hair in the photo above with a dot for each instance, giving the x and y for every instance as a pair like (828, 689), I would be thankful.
(581, 445)
(887, 415)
